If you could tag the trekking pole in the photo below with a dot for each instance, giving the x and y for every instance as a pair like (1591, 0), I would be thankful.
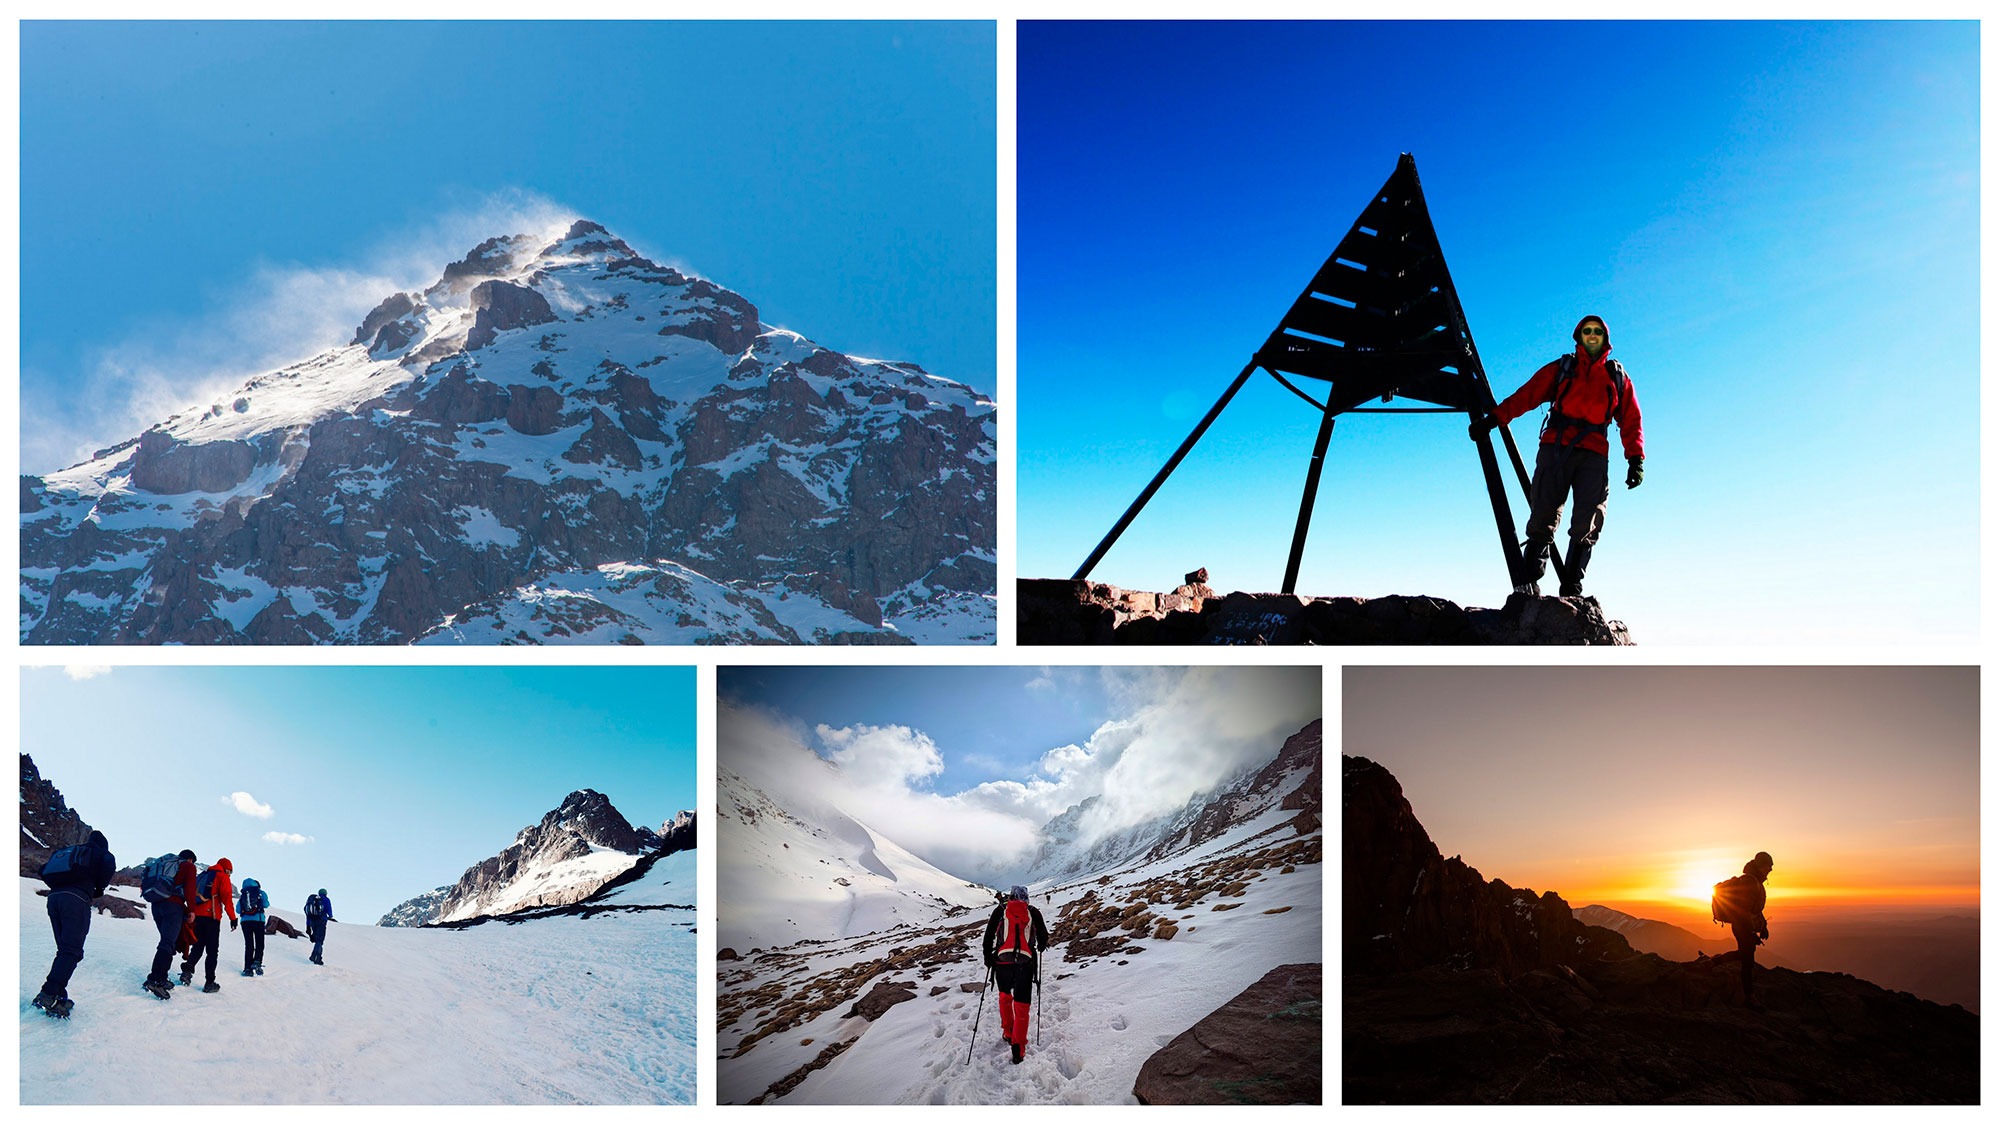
(1038, 1001)
(977, 1012)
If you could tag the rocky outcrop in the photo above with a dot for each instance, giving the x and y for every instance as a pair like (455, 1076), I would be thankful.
(500, 305)
(1457, 989)
(165, 466)
(393, 307)
(47, 821)
(1405, 905)
(1056, 611)
(1260, 1048)
(418, 911)
(677, 835)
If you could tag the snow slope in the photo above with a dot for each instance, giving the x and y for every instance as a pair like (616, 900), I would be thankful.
(553, 1011)
(1243, 902)
(797, 874)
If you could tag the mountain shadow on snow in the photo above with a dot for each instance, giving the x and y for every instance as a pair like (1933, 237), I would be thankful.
(1456, 988)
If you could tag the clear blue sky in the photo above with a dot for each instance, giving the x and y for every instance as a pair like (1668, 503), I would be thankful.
(839, 175)
(402, 777)
(1779, 222)
(986, 722)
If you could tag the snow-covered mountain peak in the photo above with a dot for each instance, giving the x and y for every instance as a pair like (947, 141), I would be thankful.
(558, 441)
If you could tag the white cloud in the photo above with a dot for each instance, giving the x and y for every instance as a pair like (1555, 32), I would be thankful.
(247, 805)
(86, 671)
(279, 313)
(1181, 731)
(286, 838)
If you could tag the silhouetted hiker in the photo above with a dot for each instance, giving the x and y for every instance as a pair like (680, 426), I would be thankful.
(1739, 901)
(75, 875)
(1586, 391)
(319, 911)
(213, 895)
(1015, 936)
(251, 902)
(167, 884)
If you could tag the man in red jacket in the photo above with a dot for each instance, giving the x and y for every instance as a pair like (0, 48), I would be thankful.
(214, 894)
(1586, 391)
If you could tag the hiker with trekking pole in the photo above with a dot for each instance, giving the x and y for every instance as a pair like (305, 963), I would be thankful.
(1015, 938)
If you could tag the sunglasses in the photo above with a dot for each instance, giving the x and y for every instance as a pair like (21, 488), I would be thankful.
(1593, 332)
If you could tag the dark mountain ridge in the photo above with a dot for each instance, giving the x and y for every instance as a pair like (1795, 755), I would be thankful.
(1461, 989)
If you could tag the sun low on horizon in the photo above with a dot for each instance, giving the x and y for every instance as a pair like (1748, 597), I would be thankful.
(1639, 789)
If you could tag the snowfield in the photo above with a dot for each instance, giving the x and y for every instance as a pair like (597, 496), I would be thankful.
(1231, 908)
(550, 1011)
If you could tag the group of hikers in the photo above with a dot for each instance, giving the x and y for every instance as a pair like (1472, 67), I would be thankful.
(188, 902)
(1015, 939)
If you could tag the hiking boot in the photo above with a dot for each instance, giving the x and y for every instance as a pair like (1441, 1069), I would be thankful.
(187, 976)
(61, 1008)
(1532, 589)
(1571, 590)
(211, 986)
(1019, 1050)
(157, 989)
(43, 1000)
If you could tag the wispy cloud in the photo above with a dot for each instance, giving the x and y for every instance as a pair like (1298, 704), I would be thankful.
(86, 671)
(1182, 731)
(248, 805)
(277, 313)
(286, 838)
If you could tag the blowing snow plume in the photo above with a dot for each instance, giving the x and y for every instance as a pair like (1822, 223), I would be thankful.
(557, 440)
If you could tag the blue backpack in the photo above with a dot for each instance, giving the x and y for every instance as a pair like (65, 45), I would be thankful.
(157, 878)
(204, 884)
(68, 867)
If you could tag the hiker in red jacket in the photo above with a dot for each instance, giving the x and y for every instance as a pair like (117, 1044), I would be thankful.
(1586, 391)
(213, 895)
(1015, 937)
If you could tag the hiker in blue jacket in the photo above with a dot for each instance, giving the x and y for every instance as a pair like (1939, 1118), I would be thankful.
(251, 903)
(319, 911)
(75, 875)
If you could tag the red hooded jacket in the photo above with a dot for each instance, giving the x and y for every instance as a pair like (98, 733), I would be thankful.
(1588, 396)
(221, 894)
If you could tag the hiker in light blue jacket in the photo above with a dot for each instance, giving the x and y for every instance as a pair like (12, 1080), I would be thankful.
(251, 904)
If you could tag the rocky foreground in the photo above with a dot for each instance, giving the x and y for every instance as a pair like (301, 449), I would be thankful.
(1064, 611)
(1458, 989)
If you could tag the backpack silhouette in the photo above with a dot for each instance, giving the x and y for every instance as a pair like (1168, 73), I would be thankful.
(1017, 930)
(1730, 902)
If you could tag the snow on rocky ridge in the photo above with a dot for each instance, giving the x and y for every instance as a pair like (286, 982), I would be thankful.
(560, 443)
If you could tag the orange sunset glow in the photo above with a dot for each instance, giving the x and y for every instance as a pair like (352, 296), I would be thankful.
(1640, 788)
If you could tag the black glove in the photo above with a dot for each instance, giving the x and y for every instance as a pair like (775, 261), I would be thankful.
(232, 925)
(1635, 471)
(1482, 424)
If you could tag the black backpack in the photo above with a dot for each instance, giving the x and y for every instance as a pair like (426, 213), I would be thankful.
(315, 908)
(1729, 904)
(68, 867)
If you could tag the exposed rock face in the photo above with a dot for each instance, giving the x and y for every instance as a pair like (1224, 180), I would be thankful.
(47, 822)
(1456, 989)
(1260, 1048)
(418, 911)
(677, 835)
(1289, 781)
(499, 305)
(556, 443)
(560, 860)
(1058, 611)
(163, 465)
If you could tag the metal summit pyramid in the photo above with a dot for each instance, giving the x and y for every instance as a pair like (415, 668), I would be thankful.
(1380, 320)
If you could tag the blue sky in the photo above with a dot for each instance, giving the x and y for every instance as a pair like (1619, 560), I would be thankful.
(401, 777)
(963, 766)
(199, 197)
(1779, 222)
